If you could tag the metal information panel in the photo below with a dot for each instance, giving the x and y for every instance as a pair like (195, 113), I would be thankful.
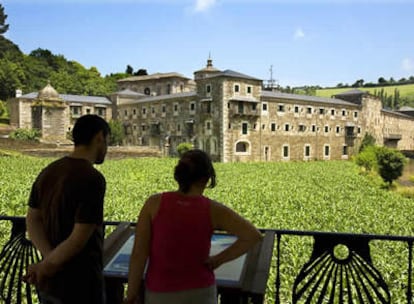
(230, 273)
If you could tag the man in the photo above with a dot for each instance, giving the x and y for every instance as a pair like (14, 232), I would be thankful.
(64, 220)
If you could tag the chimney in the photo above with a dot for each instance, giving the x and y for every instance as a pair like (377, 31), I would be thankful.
(18, 93)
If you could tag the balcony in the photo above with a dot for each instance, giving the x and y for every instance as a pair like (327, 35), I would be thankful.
(333, 268)
(244, 112)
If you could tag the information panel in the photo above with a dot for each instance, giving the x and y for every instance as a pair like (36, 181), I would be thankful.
(229, 273)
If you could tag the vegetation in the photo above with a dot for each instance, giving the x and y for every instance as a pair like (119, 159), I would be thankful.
(25, 134)
(117, 133)
(390, 164)
(184, 147)
(317, 196)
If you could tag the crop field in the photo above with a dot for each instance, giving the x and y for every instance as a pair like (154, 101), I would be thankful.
(406, 90)
(317, 196)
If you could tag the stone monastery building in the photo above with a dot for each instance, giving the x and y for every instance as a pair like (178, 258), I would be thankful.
(230, 115)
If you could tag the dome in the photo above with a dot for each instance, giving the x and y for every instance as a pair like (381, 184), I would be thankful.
(48, 92)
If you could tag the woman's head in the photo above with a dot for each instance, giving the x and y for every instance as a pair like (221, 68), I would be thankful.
(194, 166)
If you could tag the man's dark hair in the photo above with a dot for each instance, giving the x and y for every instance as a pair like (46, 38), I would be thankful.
(86, 127)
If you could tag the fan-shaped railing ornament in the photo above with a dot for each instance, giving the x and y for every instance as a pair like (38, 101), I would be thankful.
(340, 271)
(17, 254)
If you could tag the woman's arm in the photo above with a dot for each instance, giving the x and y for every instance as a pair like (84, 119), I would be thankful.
(224, 218)
(140, 250)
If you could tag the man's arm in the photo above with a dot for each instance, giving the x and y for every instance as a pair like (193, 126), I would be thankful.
(37, 234)
(64, 252)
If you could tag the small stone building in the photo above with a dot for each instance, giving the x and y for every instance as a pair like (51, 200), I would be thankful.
(54, 114)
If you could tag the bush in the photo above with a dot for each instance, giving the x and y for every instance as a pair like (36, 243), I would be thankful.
(26, 134)
(184, 147)
(367, 141)
(390, 164)
(117, 133)
(367, 158)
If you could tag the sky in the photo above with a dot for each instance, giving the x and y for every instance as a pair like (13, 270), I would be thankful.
(294, 42)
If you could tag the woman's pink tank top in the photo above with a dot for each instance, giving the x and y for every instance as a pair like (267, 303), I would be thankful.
(180, 244)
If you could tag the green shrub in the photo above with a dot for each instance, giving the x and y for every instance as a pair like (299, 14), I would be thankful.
(184, 147)
(367, 141)
(390, 164)
(367, 158)
(26, 134)
(117, 133)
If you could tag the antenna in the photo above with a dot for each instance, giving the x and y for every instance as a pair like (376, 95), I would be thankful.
(271, 82)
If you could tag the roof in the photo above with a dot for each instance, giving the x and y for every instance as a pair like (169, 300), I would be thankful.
(306, 98)
(245, 99)
(163, 97)
(128, 92)
(352, 92)
(234, 74)
(155, 76)
(386, 111)
(405, 109)
(74, 98)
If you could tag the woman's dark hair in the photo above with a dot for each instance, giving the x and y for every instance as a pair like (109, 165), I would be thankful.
(194, 166)
(86, 127)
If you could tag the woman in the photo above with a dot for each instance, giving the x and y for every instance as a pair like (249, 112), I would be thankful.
(174, 232)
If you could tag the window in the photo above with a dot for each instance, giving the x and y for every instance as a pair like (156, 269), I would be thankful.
(163, 108)
(236, 88)
(153, 110)
(192, 107)
(338, 129)
(240, 107)
(296, 109)
(307, 151)
(125, 112)
(326, 129)
(281, 108)
(263, 126)
(345, 150)
(355, 114)
(249, 90)
(332, 112)
(313, 128)
(321, 111)
(175, 108)
(287, 127)
(134, 111)
(244, 127)
(264, 107)
(208, 89)
(302, 128)
(242, 146)
(254, 107)
(273, 127)
(208, 125)
(147, 91)
(285, 151)
(178, 127)
(309, 110)
(144, 111)
(343, 112)
(326, 150)
(100, 111)
(229, 126)
(359, 130)
(168, 89)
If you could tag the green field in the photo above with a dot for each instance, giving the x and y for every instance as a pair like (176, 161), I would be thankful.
(317, 196)
(406, 90)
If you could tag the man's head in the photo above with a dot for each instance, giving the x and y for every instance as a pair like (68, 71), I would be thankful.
(92, 131)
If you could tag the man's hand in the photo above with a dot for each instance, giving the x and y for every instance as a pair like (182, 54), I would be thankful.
(38, 274)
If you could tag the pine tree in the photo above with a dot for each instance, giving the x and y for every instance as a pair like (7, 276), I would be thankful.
(3, 26)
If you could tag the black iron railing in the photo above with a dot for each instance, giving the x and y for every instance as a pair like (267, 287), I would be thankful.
(340, 267)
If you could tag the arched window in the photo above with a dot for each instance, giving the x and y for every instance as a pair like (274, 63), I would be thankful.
(242, 146)
(147, 91)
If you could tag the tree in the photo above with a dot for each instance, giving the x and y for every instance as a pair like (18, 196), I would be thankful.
(390, 164)
(117, 133)
(3, 109)
(382, 81)
(367, 141)
(141, 72)
(129, 70)
(3, 26)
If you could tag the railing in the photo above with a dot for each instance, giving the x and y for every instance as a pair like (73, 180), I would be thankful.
(340, 267)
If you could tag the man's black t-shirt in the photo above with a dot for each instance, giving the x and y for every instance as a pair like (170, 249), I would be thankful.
(70, 191)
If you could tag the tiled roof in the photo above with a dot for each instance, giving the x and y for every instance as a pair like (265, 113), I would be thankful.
(231, 73)
(306, 98)
(396, 113)
(74, 98)
(155, 76)
(164, 97)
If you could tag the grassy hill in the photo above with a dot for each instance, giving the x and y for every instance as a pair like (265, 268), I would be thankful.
(406, 91)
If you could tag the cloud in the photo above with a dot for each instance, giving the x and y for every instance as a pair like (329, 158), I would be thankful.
(299, 34)
(204, 5)
(408, 64)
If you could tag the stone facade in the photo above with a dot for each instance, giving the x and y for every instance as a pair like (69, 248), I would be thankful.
(54, 114)
(230, 115)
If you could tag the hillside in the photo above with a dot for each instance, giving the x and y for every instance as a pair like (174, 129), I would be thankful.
(405, 91)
